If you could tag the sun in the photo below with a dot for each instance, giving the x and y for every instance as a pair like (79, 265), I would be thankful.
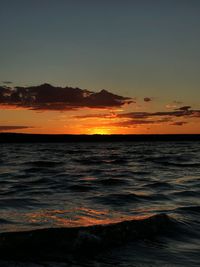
(99, 131)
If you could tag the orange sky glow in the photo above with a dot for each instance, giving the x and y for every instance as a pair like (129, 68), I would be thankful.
(132, 116)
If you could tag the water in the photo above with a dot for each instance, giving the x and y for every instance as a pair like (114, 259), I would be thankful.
(83, 184)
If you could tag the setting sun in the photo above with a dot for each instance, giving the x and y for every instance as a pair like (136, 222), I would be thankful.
(99, 131)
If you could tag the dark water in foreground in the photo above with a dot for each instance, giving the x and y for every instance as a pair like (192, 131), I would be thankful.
(79, 185)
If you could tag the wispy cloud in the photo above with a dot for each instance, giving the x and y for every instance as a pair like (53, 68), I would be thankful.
(179, 123)
(184, 108)
(185, 111)
(110, 115)
(147, 99)
(133, 119)
(132, 123)
(4, 128)
(178, 102)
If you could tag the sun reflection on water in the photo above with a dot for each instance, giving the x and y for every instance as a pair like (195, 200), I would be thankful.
(78, 217)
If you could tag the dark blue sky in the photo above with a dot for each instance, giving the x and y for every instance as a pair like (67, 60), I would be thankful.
(137, 48)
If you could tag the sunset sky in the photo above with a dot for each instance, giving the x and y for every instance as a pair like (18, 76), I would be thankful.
(100, 67)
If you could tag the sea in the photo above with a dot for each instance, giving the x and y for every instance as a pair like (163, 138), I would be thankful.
(100, 204)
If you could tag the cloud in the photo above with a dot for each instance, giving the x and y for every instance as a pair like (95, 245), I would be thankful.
(110, 115)
(178, 102)
(196, 114)
(179, 123)
(133, 123)
(175, 105)
(7, 82)
(132, 119)
(180, 112)
(147, 99)
(171, 106)
(184, 108)
(48, 97)
(4, 128)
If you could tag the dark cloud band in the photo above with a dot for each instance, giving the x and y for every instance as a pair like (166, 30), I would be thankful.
(48, 97)
(4, 128)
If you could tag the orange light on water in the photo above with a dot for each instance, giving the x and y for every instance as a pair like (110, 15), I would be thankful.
(79, 217)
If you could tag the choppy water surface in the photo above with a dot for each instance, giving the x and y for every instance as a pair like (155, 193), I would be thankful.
(67, 185)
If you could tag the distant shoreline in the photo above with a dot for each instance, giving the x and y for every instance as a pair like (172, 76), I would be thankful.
(68, 138)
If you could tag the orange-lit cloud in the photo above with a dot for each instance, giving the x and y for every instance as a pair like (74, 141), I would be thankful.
(132, 119)
(179, 123)
(97, 116)
(184, 111)
(10, 128)
(147, 99)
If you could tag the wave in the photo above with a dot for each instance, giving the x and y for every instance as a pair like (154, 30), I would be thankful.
(126, 198)
(38, 170)
(175, 164)
(4, 221)
(89, 161)
(81, 188)
(160, 185)
(186, 193)
(195, 209)
(19, 203)
(44, 163)
(111, 182)
(101, 161)
(51, 243)
(189, 165)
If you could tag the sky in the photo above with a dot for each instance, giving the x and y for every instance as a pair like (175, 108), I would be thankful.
(100, 67)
